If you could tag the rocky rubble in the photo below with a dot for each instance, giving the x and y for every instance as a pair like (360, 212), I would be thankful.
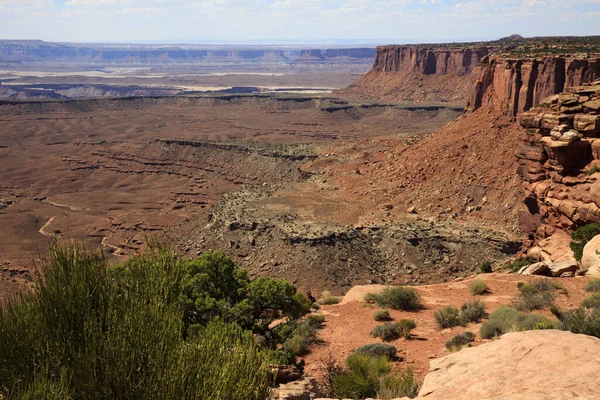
(558, 164)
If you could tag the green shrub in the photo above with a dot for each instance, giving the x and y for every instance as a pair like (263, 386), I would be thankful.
(478, 287)
(581, 236)
(507, 319)
(535, 296)
(117, 333)
(397, 385)
(397, 298)
(327, 298)
(592, 301)
(486, 267)
(388, 332)
(405, 326)
(362, 377)
(519, 263)
(581, 320)
(302, 337)
(593, 285)
(315, 320)
(382, 315)
(378, 349)
(459, 341)
(472, 312)
(593, 169)
(449, 317)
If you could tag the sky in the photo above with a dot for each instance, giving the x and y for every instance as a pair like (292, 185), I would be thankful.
(301, 21)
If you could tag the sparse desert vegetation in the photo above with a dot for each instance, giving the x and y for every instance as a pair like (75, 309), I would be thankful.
(397, 298)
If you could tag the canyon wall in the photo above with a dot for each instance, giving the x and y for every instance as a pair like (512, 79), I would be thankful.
(512, 86)
(420, 73)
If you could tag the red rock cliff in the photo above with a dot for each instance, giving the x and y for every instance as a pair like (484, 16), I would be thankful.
(419, 74)
(513, 86)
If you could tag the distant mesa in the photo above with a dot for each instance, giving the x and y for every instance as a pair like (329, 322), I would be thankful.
(514, 36)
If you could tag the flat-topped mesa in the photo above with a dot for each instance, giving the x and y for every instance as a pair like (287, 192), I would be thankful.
(512, 86)
(424, 73)
(428, 60)
(560, 161)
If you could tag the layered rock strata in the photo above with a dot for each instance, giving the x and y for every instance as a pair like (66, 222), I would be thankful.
(512, 86)
(559, 163)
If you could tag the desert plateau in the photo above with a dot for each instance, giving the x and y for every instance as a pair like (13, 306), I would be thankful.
(289, 221)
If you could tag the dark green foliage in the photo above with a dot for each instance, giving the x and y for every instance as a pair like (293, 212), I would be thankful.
(303, 334)
(593, 169)
(97, 333)
(447, 318)
(405, 326)
(388, 332)
(478, 287)
(519, 263)
(486, 267)
(397, 298)
(507, 319)
(593, 285)
(459, 341)
(535, 296)
(382, 315)
(472, 312)
(592, 301)
(214, 287)
(378, 349)
(581, 236)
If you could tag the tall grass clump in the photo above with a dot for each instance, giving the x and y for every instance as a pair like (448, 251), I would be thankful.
(593, 285)
(90, 332)
(478, 287)
(397, 298)
(327, 298)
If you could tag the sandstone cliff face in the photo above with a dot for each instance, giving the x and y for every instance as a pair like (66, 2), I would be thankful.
(420, 74)
(428, 61)
(560, 160)
(512, 86)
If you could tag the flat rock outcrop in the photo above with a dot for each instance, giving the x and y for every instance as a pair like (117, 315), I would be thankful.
(510, 368)
(558, 163)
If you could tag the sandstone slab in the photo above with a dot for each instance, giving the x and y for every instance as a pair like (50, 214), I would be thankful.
(534, 269)
(545, 364)
(590, 261)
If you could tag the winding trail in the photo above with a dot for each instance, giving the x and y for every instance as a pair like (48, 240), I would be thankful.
(42, 230)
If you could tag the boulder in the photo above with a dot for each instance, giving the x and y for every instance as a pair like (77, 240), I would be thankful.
(534, 269)
(593, 105)
(305, 389)
(566, 267)
(540, 364)
(590, 261)
(587, 124)
(549, 121)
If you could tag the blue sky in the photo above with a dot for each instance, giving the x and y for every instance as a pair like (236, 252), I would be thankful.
(228, 21)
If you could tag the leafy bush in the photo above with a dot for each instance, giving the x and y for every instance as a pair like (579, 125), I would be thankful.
(303, 336)
(397, 298)
(535, 296)
(593, 169)
(93, 332)
(593, 285)
(378, 349)
(581, 236)
(472, 312)
(478, 287)
(507, 319)
(382, 315)
(592, 301)
(447, 318)
(388, 332)
(405, 326)
(486, 267)
(315, 320)
(459, 341)
(327, 298)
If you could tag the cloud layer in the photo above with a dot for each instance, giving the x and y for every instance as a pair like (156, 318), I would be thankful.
(400, 21)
